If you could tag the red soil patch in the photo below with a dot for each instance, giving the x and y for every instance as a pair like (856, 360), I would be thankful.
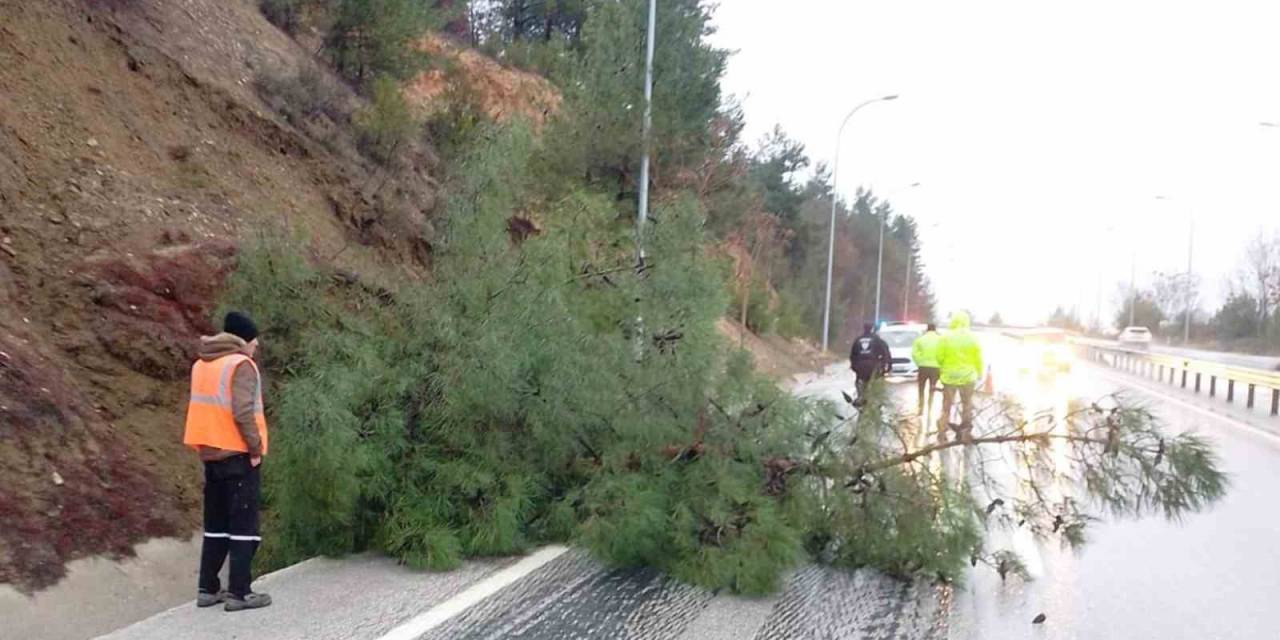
(72, 489)
(155, 305)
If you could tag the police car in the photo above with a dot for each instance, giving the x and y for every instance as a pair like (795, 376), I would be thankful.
(900, 336)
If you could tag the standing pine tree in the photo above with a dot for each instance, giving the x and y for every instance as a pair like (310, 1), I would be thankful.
(599, 135)
(369, 38)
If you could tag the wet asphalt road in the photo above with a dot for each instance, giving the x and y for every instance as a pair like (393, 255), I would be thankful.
(1214, 575)
(1266, 363)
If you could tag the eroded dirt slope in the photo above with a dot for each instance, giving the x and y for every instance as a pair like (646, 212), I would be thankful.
(136, 158)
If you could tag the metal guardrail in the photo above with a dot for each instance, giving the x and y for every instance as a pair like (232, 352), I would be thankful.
(1187, 373)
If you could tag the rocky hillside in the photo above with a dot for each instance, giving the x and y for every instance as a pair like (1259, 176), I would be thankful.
(142, 143)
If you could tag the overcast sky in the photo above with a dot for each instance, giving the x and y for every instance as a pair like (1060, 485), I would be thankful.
(1040, 132)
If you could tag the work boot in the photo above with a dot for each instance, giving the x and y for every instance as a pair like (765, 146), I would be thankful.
(206, 599)
(249, 601)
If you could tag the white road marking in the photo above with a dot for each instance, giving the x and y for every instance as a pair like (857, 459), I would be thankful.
(441, 613)
(1235, 422)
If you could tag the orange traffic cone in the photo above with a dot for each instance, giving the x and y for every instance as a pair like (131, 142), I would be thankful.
(988, 386)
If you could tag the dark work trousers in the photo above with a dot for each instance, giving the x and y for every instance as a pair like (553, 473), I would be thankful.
(863, 372)
(966, 409)
(230, 523)
(926, 377)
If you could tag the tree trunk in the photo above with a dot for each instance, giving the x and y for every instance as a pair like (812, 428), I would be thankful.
(746, 297)
(1264, 312)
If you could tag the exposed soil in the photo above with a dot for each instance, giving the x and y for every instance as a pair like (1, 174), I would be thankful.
(140, 146)
(501, 92)
(776, 356)
(135, 157)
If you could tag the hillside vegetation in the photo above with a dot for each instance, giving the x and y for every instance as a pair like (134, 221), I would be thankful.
(465, 355)
(136, 157)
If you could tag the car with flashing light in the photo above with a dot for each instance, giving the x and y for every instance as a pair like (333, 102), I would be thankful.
(900, 335)
(1137, 337)
(1046, 351)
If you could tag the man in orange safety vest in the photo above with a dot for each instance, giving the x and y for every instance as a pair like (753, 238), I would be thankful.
(226, 426)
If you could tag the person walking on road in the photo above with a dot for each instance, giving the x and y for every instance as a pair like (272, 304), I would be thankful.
(869, 358)
(924, 352)
(227, 427)
(960, 365)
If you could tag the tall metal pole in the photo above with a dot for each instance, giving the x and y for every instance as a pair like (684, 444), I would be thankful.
(1186, 324)
(1097, 304)
(1191, 234)
(643, 213)
(906, 291)
(879, 267)
(642, 207)
(880, 257)
(1133, 287)
(835, 199)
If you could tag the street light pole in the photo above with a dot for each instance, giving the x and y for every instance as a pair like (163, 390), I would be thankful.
(906, 290)
(831, 244)
(880, 254)
(643, 206)
(1133, 287)
(875, 318)
(1187, 291)
(1186, 322)
(1097, 304)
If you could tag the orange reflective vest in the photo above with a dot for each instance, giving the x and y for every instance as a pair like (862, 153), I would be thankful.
(210, 419)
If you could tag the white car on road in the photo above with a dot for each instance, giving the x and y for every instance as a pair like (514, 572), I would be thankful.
(900, 336)
(1139, 337)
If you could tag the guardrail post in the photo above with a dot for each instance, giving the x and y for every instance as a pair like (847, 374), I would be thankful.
(1184, 378)
(1197, 382)
(1213, 386)
(1250, 400)
(1161, 373)
(1275, 402)
(1231, 390)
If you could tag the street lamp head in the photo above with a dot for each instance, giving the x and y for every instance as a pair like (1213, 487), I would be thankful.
(1264, 124)
(914, 184)
(895, 97)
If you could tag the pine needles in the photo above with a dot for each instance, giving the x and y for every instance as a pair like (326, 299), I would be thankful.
(506, 404)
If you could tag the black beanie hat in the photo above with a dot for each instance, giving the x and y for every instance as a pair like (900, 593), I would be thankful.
(239, 325)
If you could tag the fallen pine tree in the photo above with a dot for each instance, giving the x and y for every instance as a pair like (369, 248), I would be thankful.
(541, 391)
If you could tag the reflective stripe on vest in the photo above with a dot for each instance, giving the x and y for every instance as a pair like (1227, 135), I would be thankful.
(210, 416)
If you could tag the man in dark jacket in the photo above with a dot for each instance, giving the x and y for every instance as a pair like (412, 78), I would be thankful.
(869, 358)
(227, 427)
